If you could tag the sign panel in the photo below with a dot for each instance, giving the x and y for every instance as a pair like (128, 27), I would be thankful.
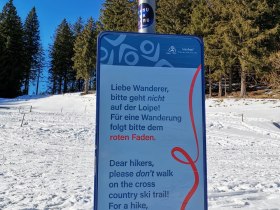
(150, 134)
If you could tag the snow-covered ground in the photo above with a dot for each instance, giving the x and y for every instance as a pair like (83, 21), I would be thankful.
(243, 157)
(48, 163)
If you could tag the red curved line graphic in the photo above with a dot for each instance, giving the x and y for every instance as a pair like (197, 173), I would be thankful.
(189, 160)
(191, 110)
(194, 169)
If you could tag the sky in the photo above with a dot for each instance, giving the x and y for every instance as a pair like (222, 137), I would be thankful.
(50, 14)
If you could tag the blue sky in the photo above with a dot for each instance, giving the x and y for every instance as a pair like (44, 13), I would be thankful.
(50, 14)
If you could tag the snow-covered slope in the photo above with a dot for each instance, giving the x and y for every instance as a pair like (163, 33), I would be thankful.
(48, 163)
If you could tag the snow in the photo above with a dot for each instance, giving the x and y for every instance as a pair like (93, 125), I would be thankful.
(243, 157)
(48, 163)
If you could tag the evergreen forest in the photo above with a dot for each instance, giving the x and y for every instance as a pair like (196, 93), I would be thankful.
(241, 40)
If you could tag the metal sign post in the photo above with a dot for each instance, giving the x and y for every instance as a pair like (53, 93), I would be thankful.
(147, 16)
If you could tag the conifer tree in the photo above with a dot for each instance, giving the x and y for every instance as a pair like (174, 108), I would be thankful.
(99, 27)
(173, 17)
(2, 64)
(119, 15)
(85, 53)
(61, 53)
(224, 55)
(269, 19)
(77, 84)
(32, 48)
(236, 33)
(78, 27)
(272, 78)
(246, 36)
(205, 20)
(39, 67)
(12, 55)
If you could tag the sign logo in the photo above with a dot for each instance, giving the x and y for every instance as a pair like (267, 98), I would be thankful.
(145, 15)
(172, 50)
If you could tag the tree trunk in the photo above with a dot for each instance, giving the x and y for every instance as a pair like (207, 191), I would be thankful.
(225, 87)
(243, 83)
(60, 86)
(54, 87)
(230, 81)
(80, 85)
(210, 83)
(65, 85)
(220, 88)
(86, 86)
(26, 85)
(38, 80)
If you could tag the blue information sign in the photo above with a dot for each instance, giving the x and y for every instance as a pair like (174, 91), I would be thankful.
(150, 135)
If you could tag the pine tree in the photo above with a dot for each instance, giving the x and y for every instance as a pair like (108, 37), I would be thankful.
(272, 78)
(119, 15)
(78, 27)
(76, 84)
(225, 56)
(61, 53)
(85, 53)
(173, 17)
(205, 22)
(236, 33)
(269, 19)
(12, 55)
(32, 48)
(2, 64)
(39, 67)
(246, 37)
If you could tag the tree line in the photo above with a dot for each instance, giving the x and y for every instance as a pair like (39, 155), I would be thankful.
(21, 53)
(241, 39)
(73, 57)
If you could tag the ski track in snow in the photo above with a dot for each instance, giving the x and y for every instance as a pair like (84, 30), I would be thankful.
(48, 163)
